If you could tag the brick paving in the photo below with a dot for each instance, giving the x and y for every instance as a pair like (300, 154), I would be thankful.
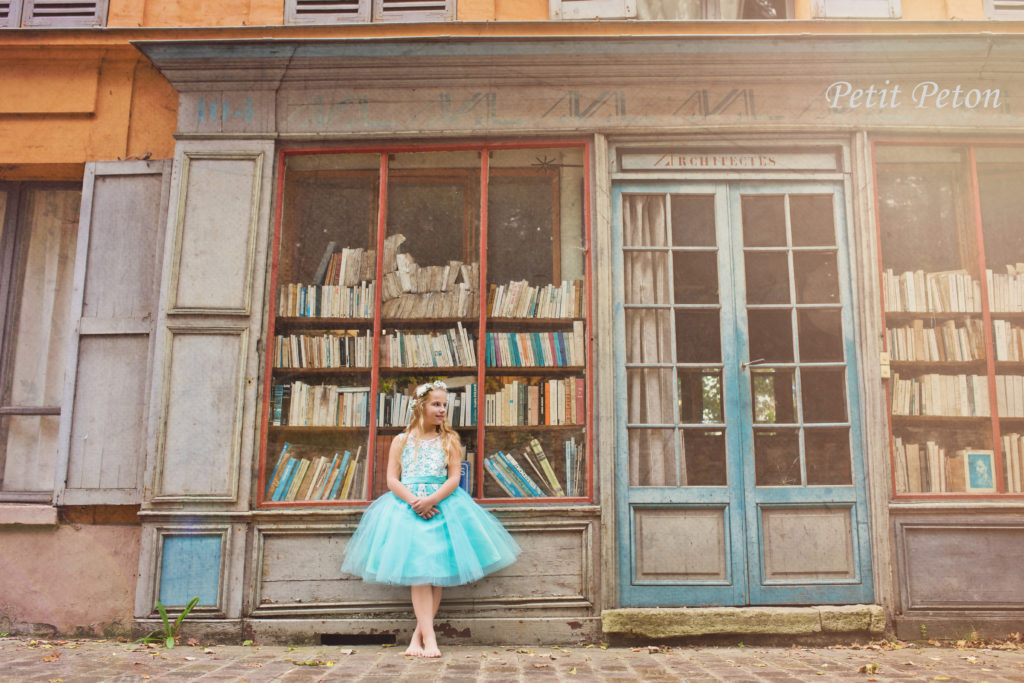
(88, 661)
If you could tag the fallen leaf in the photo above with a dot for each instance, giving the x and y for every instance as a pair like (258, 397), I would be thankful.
(541, 665)
(192, 642)
(208, 651)
(389, 645)
(348, 651)
(572, 670)
(52, 658)
(190, 659)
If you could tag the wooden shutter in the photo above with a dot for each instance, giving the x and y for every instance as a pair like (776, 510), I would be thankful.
(1004, 9)
(50, 13)
(207, 357)
(326, 11)
(856, 9)
(104, 417)
(10, 13)
(568, 10)
(413, 10)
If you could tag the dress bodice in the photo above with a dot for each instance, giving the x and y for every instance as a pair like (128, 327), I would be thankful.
(423, 458)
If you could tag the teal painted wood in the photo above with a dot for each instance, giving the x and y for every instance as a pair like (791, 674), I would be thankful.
(190, 566)
(741, 502)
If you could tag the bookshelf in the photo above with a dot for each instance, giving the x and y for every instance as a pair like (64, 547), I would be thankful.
(952, 282)
(380, 264)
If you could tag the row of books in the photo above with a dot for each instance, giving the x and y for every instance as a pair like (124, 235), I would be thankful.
(950, 291)
(454, 347)
(327, 350)
(944, 395)
(346, 267)
(536, 349)
(519, 299)
(319, 405)
(326, 301)
(1008, 340)
(530, 474)
(928, 468)
(338, 477)
(1010, 395)
(394, 409)
(946, 341)
(409, 277)
(1006, 291)
(1013, 462)
(460, 302)
(549, 402)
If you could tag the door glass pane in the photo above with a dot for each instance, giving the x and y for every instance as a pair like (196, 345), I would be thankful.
(821, 335)
(774, 393)
(767, 277)
(652, 457)
(698, 337)
(700, 396)
(776, 457)
(764, 221)
(704, 457)
(812, 220)
(693, 220)
(650, 396)
(643, 221)
(770, 334)
(695, 276)
(828, 456)
(645, 277)
(816, 276)
(823, 394)
(648, 336)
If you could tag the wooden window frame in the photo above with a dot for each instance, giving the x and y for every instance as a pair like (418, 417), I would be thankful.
(856, 9)
(367, 11)
(1012, 10)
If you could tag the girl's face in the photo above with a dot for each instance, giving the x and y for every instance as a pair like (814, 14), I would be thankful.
(434, 409)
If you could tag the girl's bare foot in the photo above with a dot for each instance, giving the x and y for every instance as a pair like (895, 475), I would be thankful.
(430, 649)
(415, 648)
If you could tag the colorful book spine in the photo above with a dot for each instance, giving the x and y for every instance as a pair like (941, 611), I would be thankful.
(524, 480)
(490, 464)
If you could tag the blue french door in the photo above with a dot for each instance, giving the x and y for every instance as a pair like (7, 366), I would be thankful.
(740, 477)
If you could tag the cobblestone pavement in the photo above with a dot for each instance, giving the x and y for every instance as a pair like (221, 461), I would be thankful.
(83, 661)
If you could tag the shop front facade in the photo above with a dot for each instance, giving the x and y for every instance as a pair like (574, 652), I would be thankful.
(725, 321)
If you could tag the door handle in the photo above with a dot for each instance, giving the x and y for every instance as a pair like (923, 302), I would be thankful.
(744, 366)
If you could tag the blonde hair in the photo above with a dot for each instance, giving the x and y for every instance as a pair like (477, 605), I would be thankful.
(449, 437)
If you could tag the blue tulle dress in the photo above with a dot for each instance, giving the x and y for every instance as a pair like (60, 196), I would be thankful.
(459, 544)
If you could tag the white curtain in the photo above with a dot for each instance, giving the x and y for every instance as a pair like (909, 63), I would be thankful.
(650, 392)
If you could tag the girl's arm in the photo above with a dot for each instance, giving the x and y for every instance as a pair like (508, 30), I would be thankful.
(395, 470)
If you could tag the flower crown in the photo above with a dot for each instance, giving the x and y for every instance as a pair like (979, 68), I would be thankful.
(423, 389)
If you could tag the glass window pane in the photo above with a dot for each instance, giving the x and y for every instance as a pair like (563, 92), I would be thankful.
(704, 457)
(698, 337)
(649, 396)
(770, 334)
(828, 457)
(696, 277)
(522, 209)
(767, 277)
(776, 457)
(643, 221)
(764, 221)
(812, 220)
(823, 394)
(645, 277)
(700, 395)
(774, 393)
(816, 276)
(821, 335)
(693, 220)
(1002, 205)
(648, 336)
(652, 457)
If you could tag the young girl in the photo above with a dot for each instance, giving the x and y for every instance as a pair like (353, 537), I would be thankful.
(427, 532)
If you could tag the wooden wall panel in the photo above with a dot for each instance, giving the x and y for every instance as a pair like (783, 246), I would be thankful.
(808, 543)
(680, 544)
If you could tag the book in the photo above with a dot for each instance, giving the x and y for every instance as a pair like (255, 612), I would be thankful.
(549, 472)
(522, 479)
(275, 477)
(466, 476)
(501, 479)
(316, 480)
(346, 487)
(285, 481)
(298, 477)
(321, 270)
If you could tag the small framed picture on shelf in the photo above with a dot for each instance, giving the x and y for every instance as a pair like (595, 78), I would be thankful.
(980, 475)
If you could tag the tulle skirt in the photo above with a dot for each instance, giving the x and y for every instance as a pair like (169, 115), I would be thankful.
(458, 545)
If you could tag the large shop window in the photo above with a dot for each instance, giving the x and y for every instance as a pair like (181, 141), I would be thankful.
(400, 267)
(952, 256)
(37, 263)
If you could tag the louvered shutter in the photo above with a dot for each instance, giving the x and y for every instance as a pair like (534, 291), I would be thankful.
(856, 9)
(413, 10)
(10, 13)
(326, 11)
(50, 13)
(1004, 9)
(568, 10)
